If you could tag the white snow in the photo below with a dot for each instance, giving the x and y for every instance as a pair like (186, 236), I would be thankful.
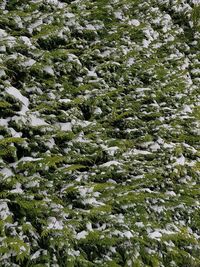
(90, 27)
(139, 224)
(181, 160)
(14, 133)
(49, 70)
(130, 61)
(112, 150)
(4, 122)
(128, 234)
(17, 94)
(26, 40)
(17, 189)
(64, 100)
(32, 184)
(2, 73)
(146, 43)
(109, 163)
(29, 159)
(155, 147)
(6, 172)
(69, 15)
(29, 62)
(35, 255)
(118, 15)
(134, 22)
(170, 193)
(92, 201)
(97, 111)
(81, 235)
(155, 235)
(142, 152)
(50, 143)
(3, 33)
(54, 224)
(35, 121)
(187, 109)
(89, 226)
(65, 126)
(4, 210)
(92, 73)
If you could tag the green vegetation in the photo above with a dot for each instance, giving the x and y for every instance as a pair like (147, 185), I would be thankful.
(99, 133)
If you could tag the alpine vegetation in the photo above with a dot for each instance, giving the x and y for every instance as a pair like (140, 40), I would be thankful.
(100, 133)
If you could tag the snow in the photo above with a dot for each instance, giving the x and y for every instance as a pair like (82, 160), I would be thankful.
(65, 126)
(25, 159)
(89, 226)
(155, 235)
(134, 22)
(35, 121)
(49, 70)
(29, 62)
(118, 15)
(2, 73)
(92, 73)
(14, 133)
(142, 152)
(69, 15)
(26, 40)
(17, 94)
(110, 163)
(128, 234)
(81, 235)
(50, 143)
(6, 172)
(2, 33)
(112, 150)
(4, 210)
(180, 160)
(98, 111)
(170, 193)
(35, 255)
(64, 100)
(90, 27)
(53, 223)
(4, 122)
(130, 61)
(92, 201)
(187, 109)
(32, 184)
(17, 189)
(139, 224)
(155, 147)
(146, 43)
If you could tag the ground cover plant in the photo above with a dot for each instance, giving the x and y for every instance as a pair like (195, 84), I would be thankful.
(99, 133)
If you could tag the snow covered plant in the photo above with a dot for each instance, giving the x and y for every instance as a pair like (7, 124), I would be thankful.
(99, 133)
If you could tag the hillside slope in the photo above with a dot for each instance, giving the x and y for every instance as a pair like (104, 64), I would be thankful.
(99, 133)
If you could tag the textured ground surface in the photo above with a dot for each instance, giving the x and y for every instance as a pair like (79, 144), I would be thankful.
(99, 133)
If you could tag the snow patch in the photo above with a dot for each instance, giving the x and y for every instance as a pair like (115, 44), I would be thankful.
(81, 235)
